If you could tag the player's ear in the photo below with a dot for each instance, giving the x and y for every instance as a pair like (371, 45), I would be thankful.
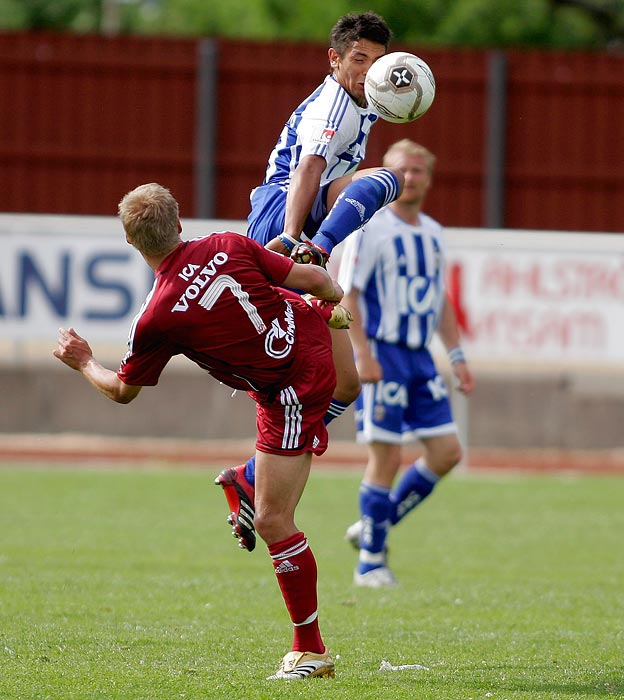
(333, 56)
(179, 226)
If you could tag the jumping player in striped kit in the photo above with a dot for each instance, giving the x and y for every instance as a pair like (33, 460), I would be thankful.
(218, 301)
(392, 271)
(313, 192)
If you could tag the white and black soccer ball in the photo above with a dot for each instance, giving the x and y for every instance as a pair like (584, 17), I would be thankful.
(400, 87)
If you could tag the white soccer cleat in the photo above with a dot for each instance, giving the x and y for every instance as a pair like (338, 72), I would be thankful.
(382, 577)
(297, 665)
(354, 534)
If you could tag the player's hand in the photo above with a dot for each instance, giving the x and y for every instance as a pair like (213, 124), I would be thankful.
(368, 368)
(309, 253)
(466, 380)
(73, 350)
(336, 315)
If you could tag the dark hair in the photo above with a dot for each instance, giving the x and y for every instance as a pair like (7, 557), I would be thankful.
(353, 27)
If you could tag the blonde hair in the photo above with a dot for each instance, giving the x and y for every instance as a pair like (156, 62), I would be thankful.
(150, 217)
(410, 148)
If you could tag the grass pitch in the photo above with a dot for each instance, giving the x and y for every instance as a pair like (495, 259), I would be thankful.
(125, 584)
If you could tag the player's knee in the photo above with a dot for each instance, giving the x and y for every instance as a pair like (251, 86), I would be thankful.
(387, 183)
(452, 457)
(399, 176)
(269, 525)
(274, 520)
(445, 460)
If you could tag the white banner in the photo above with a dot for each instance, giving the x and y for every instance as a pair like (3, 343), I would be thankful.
(522, 296)
(527, 296)
(74, 271)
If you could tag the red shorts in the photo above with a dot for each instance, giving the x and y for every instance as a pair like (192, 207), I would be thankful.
(292, 423)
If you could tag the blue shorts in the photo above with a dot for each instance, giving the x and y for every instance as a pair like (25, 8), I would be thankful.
(268, 209)
(410, 402)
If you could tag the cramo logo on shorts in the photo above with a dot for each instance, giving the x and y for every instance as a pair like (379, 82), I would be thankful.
(278, 341)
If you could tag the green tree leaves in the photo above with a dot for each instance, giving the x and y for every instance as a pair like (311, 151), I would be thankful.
(483, 23)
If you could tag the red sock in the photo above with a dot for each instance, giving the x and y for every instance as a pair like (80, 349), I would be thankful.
(295, 568)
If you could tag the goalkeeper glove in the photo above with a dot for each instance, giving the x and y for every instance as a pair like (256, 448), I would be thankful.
(309, 253)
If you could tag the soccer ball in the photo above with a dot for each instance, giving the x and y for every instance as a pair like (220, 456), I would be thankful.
(400, 87)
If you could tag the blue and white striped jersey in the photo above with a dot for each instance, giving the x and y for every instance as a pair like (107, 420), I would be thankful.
(328, 124)
(398, 269)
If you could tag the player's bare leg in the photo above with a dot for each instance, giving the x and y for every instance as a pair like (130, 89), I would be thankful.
(239, 490)
(442, 453)
(417, 482)
(384, 460)
(347, 380)
(280, 482)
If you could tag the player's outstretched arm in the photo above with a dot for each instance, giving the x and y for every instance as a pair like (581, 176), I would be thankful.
(302, 192)
(313, 279)
(303, 189)
(76, 353)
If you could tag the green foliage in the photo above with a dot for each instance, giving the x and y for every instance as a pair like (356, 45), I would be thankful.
(126, 584)
(529, 23)
(13, 15)
(50, 14)
(486, 23)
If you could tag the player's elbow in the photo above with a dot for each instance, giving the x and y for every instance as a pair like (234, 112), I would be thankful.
(125, 393)
(312, 166)
(317, 276)
(310, 278)
(319, 280)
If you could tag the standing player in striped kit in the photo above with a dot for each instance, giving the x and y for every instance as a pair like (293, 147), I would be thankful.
(218, 301)
(311, 189)
(392, 271)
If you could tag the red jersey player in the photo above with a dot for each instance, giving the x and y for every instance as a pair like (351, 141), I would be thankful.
(217, 300)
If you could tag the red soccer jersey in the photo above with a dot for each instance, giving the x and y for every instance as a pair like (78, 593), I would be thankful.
(215, 300)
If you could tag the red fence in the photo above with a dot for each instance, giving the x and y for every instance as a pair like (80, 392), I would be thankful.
(85, 118)
(565, 141)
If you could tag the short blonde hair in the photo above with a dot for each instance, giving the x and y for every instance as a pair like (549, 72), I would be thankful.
(410, 148)
(150, 217)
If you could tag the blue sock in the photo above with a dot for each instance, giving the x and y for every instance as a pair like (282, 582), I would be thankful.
(417, 482)
(335, 410)
(375, 508)
(250, 470)
(355, 205)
